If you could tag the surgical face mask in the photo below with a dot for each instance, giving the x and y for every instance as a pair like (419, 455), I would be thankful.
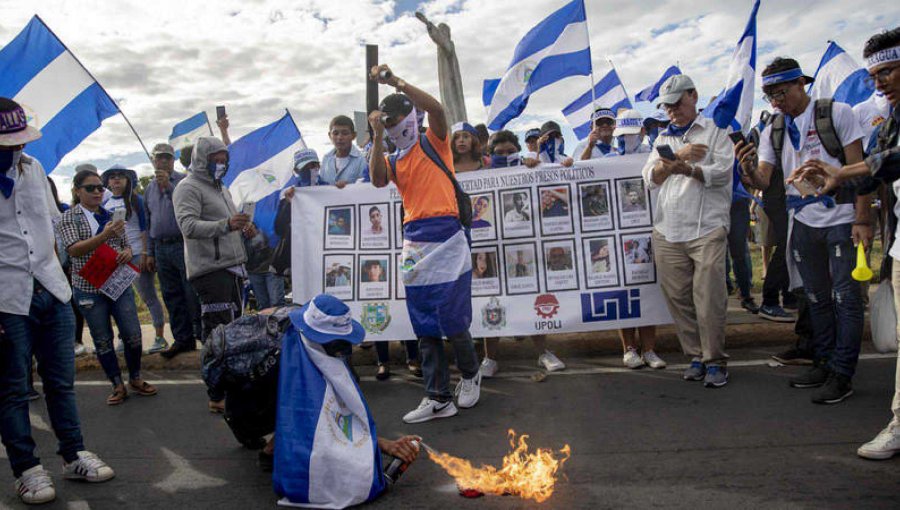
(500, 161)
(9, 160)
(406, 132)
(629, 143)
(217, 170)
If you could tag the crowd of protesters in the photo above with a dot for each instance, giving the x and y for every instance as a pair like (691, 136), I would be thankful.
(809, 169)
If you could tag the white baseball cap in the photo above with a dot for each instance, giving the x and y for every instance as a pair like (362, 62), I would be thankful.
(672, 89)
(629, 122)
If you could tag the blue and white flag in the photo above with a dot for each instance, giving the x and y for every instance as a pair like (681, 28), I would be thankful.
(608, 93)
(262, 162)
(326, 445)
(556, 48)
(437, 273)
(42, 75)
(652, 92)
(841, 78)
(733, 107)
(187, 131)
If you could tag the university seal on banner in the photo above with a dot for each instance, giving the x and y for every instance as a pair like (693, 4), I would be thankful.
(493, 314)
(375, 317)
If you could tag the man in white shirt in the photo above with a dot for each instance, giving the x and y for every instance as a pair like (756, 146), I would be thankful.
(690, 228)
(35, 318)
(826, 228)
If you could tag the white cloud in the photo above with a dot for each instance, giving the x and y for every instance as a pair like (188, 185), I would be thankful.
(166, 60)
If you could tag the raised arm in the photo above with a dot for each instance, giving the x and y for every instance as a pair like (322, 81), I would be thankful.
(437, 119)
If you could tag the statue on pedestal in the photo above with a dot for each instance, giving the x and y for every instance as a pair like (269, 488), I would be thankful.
(449, 77)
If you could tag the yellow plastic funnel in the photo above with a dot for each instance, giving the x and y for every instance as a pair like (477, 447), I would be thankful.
(862, 273)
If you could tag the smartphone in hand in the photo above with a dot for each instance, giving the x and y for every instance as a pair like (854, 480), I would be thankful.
(737, 137)
(665, 152)
(220, 112)
(119, 215)
(248, 208)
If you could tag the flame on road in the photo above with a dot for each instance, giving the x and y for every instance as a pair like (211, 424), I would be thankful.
(524, 474)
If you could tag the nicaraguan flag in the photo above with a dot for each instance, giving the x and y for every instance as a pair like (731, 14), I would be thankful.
(41, 74)
(556, 48)
(187, 131)
(841, 78)
(652, 92)
(326, 447)
(437, 273)
(608, 93)
(733, 107)
(262, 161)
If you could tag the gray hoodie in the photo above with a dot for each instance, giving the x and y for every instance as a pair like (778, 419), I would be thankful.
(202, 207)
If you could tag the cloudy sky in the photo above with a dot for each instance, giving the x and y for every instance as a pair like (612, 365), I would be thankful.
(164, 60)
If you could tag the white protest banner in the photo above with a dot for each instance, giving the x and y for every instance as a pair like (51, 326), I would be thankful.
(554, 250)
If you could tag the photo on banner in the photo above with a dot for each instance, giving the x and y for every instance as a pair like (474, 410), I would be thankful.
(374, 276)
(339, 227)
(520, 261)
(399, 288)
(374, 227)
(596, 206)
(484, 225)
(518, 218)
(560, 271)
(398, 224)
(339, 275)
(600, 262)
(634, 203)
(556, 210)
(485, 271)
(637, 258)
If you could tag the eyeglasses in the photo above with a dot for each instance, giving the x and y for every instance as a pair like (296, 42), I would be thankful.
(881, 76)
(672, 106)
(775, 96)
(92, 188)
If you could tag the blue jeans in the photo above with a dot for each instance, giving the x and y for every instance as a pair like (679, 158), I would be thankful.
(48, 332)
(383, 352)
(97, 310)
(738, 247)
(436, 369)
(178, 294)
(268, 289)
(825, 258)
(146, 288)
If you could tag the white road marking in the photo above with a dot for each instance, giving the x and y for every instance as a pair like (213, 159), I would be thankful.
(184, 476)
(78, 505)
(514, 374)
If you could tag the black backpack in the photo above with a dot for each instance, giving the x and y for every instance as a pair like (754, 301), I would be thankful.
(824, 122)
(463, 203)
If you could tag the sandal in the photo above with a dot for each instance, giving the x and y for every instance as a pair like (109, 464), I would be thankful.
(118, 396)
(143, 388)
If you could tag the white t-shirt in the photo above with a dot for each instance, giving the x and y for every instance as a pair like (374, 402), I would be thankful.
(132, 226)
(871, 113)
(847, 126)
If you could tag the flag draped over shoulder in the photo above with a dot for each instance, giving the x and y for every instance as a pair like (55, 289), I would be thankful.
(558, 47)
(41, 74)
(326, 447)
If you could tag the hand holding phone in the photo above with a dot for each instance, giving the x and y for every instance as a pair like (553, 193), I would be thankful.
(737, 137)
(220, 112)
(248, 208)
(665, 152)
(119, 215)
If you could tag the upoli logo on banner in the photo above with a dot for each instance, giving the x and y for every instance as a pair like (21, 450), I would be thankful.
(546, 306)
(611, 305)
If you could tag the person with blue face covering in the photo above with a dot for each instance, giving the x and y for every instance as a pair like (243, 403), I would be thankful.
(552, 147)
(213, 248)
(654, 124)
(505, 149)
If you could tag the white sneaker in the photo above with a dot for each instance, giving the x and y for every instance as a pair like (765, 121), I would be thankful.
(550, 362)
(88, 467)
(80, 350)
(430, 409)
(468, 391)
(632, 359)
(885, 445)
(35, 486)
(489, 368)
(159, 345)
(653, 360)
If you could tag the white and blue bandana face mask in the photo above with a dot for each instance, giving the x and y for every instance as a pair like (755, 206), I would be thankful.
(217, 170)
(554, 148)
(628, 143)
(405, 134)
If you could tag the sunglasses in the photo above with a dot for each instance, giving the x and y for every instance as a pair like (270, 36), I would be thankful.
(880, 76)
(92, 188)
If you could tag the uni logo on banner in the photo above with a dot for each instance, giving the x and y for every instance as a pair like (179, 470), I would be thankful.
(611, 305)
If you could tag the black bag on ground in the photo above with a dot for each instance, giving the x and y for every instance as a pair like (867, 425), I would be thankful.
(241, 359)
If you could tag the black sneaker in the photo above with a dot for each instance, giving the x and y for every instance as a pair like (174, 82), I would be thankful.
(812, 378)
(775, 313)
(793, 357)
(750, 305)
(835, 390)
(175, 349)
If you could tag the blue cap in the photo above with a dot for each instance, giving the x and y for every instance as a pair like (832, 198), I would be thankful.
(118, 169)
(304, 157)
(325, 319)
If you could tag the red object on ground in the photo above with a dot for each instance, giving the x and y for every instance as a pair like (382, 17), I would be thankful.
(470, 493)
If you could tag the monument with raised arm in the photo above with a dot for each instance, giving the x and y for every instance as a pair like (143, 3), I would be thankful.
(449, 77)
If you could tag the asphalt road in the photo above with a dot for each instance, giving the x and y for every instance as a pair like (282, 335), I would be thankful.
(639, 439)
